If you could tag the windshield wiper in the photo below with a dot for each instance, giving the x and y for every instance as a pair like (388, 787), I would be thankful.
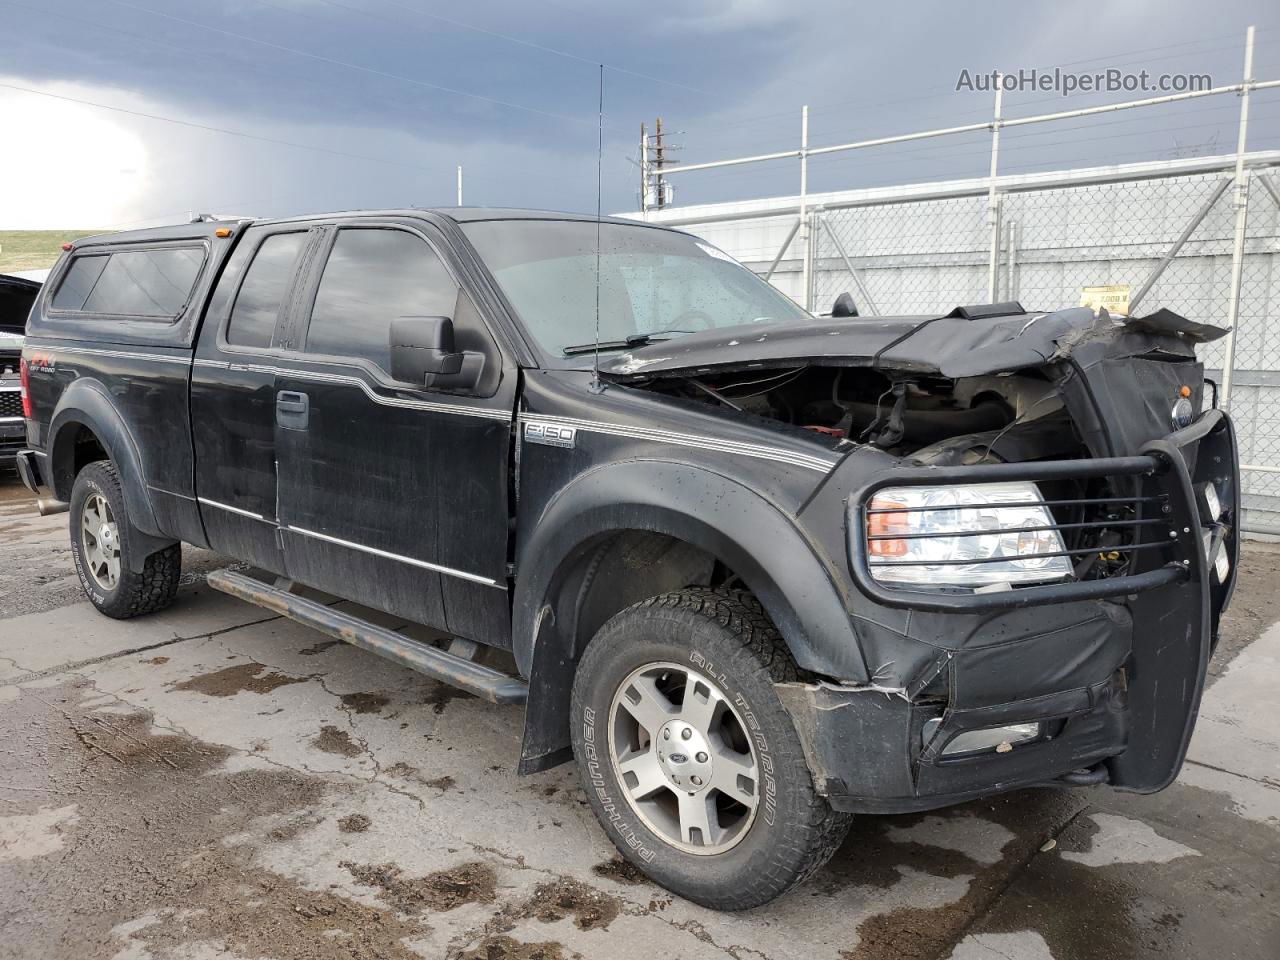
(633, 340)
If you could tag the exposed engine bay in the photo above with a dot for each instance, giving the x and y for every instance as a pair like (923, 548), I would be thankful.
(936, 392)
(930, 419)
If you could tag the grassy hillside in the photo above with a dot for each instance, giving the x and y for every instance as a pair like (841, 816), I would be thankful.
(34, 249)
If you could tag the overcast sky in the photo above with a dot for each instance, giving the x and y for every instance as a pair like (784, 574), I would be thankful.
(290, 106)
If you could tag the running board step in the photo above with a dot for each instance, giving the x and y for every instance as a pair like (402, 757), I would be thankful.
(483, 682)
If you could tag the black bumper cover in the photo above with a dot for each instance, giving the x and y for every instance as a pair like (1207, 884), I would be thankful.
(1116, 681)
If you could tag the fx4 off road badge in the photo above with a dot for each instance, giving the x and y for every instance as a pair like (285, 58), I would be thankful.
(552, 434)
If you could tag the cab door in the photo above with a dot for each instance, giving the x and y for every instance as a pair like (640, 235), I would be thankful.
(233, 393)
(392, 494)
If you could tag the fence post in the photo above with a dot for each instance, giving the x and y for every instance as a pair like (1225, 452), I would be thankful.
(1241, 202)
(1011, 262)
(993, 198)
(806, 234)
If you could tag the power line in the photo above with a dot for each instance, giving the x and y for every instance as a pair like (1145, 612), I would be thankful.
(187, 50)
(351, 66)
(240, 63)
(213, 129)
(932, 91)
(510, 39)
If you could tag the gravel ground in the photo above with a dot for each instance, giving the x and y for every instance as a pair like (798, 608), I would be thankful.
(213, 782)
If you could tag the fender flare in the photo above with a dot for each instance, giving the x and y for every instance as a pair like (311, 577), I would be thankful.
(715, 513)
(87, 403)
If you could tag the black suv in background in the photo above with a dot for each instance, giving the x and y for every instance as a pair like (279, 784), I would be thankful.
(17, 294)
(757, 571)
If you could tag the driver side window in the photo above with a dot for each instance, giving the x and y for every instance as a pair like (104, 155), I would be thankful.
(372, 276)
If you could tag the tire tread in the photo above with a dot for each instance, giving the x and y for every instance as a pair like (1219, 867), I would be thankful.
(155, 587)
(819, 830)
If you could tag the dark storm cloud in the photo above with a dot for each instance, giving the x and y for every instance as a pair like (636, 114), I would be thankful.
(373, 73)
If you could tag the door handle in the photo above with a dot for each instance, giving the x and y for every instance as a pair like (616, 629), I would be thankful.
(287, 401)
(293, 409)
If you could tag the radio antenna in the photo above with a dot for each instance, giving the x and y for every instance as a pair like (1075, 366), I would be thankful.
(595, 380)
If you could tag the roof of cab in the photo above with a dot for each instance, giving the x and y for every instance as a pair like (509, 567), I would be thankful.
(206, 228)
(459, 215)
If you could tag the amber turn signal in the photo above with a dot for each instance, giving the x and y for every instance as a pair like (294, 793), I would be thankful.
(885, 519)
(222, 232)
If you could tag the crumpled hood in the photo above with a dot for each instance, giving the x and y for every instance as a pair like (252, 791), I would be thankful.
(954, 345)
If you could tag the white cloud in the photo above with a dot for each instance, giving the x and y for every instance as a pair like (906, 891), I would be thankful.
(70, 165)
(64, 164)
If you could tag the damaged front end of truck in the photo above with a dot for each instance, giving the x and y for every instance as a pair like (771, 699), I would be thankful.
(1033, 517)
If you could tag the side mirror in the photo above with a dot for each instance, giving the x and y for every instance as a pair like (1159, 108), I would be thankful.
(422, 349)
(844, 306)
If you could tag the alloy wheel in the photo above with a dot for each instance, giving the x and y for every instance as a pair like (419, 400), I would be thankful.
(684, 758)
(100, 541)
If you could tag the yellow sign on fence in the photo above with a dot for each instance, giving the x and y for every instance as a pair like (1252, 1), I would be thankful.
(1113, 296)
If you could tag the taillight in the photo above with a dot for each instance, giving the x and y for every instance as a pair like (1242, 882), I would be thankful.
(26, 393)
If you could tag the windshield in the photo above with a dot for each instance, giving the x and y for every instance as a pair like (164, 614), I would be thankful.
(653, 283)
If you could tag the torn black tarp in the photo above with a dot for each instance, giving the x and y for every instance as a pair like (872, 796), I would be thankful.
(963, 343)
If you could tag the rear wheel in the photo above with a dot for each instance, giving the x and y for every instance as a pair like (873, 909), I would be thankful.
(103, 546)
(688, 757)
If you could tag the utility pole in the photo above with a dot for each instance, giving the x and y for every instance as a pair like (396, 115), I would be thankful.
(644, 170)
(459, 184)
(659, 157)
(655, 192)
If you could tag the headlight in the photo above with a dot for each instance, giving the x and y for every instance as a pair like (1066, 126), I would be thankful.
(1211, 502)
(964, 536)
(1220, 561)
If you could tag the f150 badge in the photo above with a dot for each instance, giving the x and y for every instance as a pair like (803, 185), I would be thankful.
(552, 434)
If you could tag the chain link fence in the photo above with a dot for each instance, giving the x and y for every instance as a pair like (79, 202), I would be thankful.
(1167, 241)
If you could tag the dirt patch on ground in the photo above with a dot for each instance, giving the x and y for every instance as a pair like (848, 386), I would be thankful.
(441, 695)
(145, 847)
(620, 871)
(319, 648)
(566, 897)
(130, 742)
(364, 702)
(291, 828)
(354, 823)
(242, 678)
(256, 914)
(442, 784)
(505, 948)
(337, 741)
(872, 856)
(157, 661)
(473, 882)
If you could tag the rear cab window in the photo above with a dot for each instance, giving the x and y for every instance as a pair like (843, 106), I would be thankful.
(264, 290)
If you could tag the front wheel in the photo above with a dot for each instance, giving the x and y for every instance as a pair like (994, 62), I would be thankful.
(688, 757)
(102, 544)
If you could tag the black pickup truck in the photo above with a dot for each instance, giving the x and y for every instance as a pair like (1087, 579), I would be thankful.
(755, 570)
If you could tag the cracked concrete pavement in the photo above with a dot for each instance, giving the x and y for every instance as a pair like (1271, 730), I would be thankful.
(211, 782)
